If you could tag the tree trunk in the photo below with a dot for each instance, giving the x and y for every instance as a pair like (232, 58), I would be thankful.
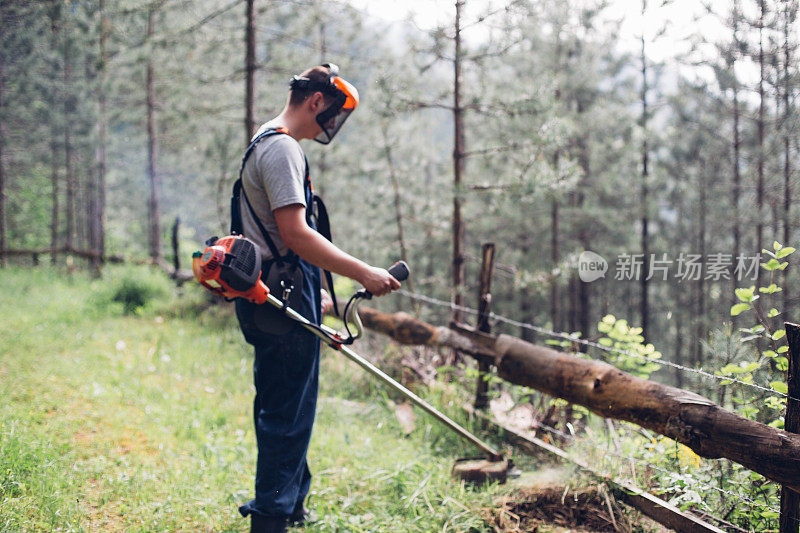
(99, 245)
(524, 292)
(555, 290)
(737, 178)
(91, 183)
(87, 190)
(155, 217)
(176, 255)
(678, 316)
(322, 157)
(584, 306)
(760, 124)
(250, 73)
(458, 168)
(398, 212)
(484, 326)
(582, 289)
(3, 243)
(644, 304)
(575, 200)
(686, 417)
(787, 164)
(700, 297)
(69, 108)
(572, 292)
(776, 213)
(54, 134)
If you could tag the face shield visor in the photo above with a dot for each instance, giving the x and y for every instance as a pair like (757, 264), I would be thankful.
(336, 114)
(345, 101)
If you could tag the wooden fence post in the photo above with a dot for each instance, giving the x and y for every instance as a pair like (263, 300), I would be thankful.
(484, 309)
(790, 500)
(176, 258)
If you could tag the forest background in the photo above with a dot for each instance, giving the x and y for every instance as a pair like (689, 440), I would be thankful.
(118, 117)
(534, 125)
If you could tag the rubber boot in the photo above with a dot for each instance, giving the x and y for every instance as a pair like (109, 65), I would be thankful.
(268, 524)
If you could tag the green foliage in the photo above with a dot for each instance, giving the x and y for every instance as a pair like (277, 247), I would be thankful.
(765, 330)
(765, 363)
(567, 343)
(28, 458)
(135, 288)
(626, 346)
(630, 352)
(687, 481)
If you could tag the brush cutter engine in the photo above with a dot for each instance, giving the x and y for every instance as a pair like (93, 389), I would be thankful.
(231, 267)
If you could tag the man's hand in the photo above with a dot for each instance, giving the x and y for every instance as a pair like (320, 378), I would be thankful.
(327, 301)
(378, 281)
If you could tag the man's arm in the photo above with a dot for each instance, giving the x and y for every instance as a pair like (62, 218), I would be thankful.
(317, 250)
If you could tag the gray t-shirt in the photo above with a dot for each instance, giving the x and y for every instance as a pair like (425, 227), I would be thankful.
(273, 178)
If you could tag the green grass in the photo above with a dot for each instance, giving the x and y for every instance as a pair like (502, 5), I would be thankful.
(142, 421)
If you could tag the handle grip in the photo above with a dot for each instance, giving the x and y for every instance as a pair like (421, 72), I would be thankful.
(399, 271)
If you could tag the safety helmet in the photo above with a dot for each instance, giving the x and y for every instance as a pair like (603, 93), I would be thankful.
(345, 101)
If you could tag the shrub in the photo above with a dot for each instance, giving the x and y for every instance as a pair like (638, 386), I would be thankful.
(134, 288)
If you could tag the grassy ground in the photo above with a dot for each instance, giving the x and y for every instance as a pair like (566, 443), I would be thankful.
(142, 422)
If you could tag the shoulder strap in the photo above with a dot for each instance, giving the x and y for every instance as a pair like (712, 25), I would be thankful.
(324, 228)
(238, 191)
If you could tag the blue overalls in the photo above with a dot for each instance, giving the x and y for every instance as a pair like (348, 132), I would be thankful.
(286, 374)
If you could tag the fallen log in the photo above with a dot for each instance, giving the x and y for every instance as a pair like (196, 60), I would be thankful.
(86, 254)
(406, 329)
(178, 274)
(686, 417)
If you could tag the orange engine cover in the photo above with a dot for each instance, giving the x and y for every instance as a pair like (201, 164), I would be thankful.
(231, 267)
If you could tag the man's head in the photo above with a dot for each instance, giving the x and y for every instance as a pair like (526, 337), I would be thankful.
(323, 100)
(320, 74)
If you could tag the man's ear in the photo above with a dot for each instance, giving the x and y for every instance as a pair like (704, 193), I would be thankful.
(316, 102)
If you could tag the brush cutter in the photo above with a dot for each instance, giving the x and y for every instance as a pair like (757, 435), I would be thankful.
(231, 267)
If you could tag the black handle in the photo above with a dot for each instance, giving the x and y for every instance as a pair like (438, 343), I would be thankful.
(399, 271)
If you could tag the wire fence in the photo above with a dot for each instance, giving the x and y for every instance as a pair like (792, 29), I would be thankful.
(585, 342)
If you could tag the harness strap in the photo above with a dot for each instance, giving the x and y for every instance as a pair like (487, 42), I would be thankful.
(315, 203)
(270, 243)
(324, 228)
(238, 189)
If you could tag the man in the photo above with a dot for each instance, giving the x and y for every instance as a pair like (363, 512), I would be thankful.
(274, 210)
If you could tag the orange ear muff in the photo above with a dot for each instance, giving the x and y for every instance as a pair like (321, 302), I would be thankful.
(350, 92)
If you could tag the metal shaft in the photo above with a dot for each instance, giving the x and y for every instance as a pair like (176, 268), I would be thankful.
(380, 374)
